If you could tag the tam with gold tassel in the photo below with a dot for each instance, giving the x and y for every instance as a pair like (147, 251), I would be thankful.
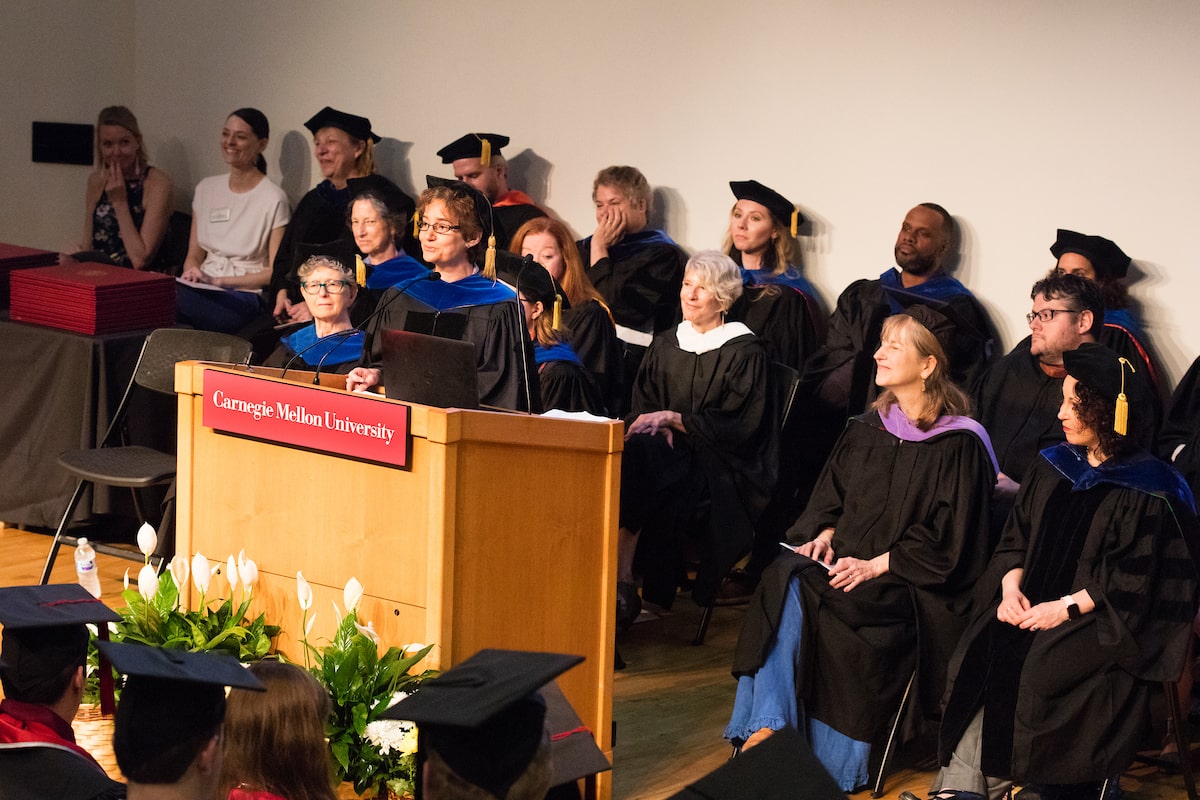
(795, 220)
(1121, 414)
(485, 152)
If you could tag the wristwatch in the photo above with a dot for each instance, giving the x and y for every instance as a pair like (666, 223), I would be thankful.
(1073, 611)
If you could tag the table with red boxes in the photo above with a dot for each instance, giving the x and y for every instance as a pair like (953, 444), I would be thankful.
(67, 350)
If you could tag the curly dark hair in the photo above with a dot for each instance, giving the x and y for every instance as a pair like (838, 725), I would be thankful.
(1097, 412)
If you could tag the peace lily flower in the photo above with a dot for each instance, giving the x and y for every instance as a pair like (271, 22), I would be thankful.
(248, 572)
(308, 628)
(352, 594)
(147, 540)
(147, 581)
(201, 574)
(368, 630)
(410, 648)
(231, 573)
(127, 579)
(179, 570)
(304, 592)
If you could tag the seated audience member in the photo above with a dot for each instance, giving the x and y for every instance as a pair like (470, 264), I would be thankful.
(1017, 400)
(329, 343)
(274, 745)
(237, 224)
(701, 425)
(167, 734)
(890, 544)
(43, 667)
(477, 162)
(1179, 442)
(636, 270)
(378, 219)
(495, 726)
(762, 241)
(127, 201)
(585, 317)
(467, 303)
(344, 148)
(1086, 604)
(564, 382)
(1102, 261)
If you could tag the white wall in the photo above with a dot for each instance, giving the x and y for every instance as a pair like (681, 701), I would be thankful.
(1019, 117)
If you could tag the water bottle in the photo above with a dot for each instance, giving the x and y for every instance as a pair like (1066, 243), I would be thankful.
(85, 567)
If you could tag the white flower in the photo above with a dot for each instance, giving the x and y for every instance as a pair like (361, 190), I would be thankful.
(147, 539)
(412, 648)
(303, 592)
(392, 735)
(200, 573)
(368, 630)
(179, 571)
(308, 628)
(248, 572)
(352, 594)
(231, 573)
(127, 579)
(147, 583)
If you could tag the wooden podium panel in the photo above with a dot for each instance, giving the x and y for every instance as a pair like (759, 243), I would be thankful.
(501, 534)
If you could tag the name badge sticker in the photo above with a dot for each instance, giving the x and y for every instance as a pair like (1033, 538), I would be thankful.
(219, 215)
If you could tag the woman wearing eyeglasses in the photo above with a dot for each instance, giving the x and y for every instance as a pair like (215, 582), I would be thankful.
(466, 302)
(329, 341)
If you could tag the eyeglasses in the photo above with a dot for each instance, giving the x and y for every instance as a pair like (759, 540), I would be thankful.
(333, 287)
(440, 228)
(1047, 314)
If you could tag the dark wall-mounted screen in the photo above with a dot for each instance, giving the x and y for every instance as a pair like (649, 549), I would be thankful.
(62, 143)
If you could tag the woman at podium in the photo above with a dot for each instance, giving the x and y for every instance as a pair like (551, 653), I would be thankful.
(465, 301)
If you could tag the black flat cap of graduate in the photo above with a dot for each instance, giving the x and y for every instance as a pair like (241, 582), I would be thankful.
(396, 200)
(783, 767)
(171, 698)
(1107, 259)
(45, 632)
(487, 720)
(940, 317)
(473, 145)
(1115, 378)
(782, 209)
(356, 126)
(483, 209)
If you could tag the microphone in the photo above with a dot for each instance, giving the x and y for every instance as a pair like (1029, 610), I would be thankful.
(428, 276)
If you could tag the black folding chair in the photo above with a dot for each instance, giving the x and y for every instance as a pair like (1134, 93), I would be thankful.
(116, 462)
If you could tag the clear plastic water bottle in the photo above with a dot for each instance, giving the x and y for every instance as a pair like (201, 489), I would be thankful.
(85, 567)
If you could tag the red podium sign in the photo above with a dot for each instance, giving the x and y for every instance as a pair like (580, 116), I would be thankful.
(348, 425)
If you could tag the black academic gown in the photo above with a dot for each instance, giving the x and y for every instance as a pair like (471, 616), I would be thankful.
(1182, 428)
(731, 449)
(925, 503)
(503, 352)
(319, 218)
(591, 332)
(784, 317)
(1070, 704)
(1017, 402)
(569, 387)
(509, 219)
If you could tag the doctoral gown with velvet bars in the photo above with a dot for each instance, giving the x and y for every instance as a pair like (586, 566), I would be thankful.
(925, 503)
(1070, 704)
(727, 410)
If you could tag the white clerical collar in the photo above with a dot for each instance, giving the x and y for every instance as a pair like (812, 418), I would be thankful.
(693, 341)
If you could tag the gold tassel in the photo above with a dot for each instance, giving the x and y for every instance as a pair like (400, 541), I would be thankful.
(795, 220)
(416, 224)
(557, 312)
(485, 153)
(360, 271)
(489, 259)
(1121, 414)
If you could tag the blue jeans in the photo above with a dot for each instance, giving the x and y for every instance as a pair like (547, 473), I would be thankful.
(767, 699)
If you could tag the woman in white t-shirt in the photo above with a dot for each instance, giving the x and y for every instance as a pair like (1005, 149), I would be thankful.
(237, 223)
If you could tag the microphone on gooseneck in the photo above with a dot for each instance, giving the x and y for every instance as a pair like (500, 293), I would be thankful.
(524, 334)
(428, 276)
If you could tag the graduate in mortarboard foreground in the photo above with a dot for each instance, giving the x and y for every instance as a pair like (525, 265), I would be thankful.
(1086, 604)
(636, 269)
(566, 385)
(1102, 261)
(167, 736)
(477, 162)
(468, 303)
(42, 670)
(486, 732)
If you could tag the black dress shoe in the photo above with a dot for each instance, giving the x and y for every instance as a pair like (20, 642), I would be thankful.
(629, 605)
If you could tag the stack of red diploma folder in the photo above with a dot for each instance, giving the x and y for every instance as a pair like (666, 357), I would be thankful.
(93, 298)
(13, 256)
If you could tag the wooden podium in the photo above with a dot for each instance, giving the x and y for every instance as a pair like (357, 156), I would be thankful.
(501, 533)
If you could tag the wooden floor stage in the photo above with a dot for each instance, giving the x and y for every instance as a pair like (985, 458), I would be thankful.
(670, 703)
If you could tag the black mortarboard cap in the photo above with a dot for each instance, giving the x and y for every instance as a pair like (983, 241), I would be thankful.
(472, 146)
(1112, 376)
(780, 207)
(396, 200)
(45, 633)
(536, 283)
(340, 250)
(483, 209)
(484, 717)
(1107, 259)
(782, 767)
(573, 750)
(356, 126)
(170, 697)
(941, 318)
